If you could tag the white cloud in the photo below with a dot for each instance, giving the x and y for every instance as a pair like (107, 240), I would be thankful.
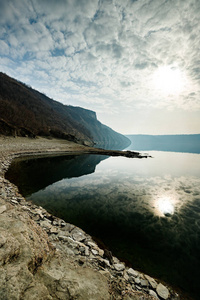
(97, 52)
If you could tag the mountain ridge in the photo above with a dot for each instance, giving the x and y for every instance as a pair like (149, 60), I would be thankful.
(25, 111)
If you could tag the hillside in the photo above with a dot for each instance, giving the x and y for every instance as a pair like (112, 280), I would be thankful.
(177, 143)
(27, 112)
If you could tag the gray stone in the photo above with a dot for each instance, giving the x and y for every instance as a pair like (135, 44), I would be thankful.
(26, 208)
(45, 224)
(53, 230)
(119, 267)
(92, 245)
(101, 252)
(153, 294)
(137, 280)
(63, 238)
(132, 272)
(87, 252)
(2, 208)
(144, 283)
(78, 235)
(94, 252)
(126, 277)
(14, 202)
(152, 281)
(39, 212)
(82, 250)
(162, 291)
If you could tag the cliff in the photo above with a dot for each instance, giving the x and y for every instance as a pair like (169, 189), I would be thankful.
(27, 112)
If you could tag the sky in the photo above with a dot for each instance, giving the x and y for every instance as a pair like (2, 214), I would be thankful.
(135, 62)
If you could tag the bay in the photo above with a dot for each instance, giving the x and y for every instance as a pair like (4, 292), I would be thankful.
(146, 211)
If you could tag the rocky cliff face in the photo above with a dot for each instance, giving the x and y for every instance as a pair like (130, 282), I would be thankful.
(27, 112)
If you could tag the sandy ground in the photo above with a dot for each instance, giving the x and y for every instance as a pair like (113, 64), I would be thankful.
(11, 147)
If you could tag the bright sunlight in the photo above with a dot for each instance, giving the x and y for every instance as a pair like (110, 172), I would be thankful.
(165, 206)
(169, 80)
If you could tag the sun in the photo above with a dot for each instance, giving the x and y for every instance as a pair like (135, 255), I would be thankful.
(168, 80)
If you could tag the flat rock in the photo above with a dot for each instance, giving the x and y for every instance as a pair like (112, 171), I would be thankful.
(94, 252)
(144, 283)
(53, 230)
(153, 294)
(78, 235)
(137, 280)
(2, 208)
(162, 291)
(119, 267)
(45, 224)
(152, 281)
(14, 202)
(132, 272)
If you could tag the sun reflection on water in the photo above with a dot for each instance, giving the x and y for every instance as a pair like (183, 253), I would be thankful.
(165, 206)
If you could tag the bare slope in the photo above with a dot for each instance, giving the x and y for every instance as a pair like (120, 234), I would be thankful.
(27, 112)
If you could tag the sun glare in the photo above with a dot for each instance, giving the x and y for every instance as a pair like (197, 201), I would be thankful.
(168, 80)
(165, 206)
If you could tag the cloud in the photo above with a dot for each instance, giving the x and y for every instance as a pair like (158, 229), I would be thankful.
(103, 51)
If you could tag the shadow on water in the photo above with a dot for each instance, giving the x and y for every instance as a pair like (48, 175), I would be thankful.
(116, 205)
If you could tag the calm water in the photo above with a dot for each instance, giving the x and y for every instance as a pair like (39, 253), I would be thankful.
(147, 211)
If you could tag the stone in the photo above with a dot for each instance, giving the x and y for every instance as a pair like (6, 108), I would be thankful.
(63, 238)
(162, 291)
(137, 280)
(144, 283)
(69, 227)
(153, 294)
(39, 212)
(94, 252)
(14, 202)
(92, 245)
(2, 208)
(126, 277)
(78, 235)
(87, 252)
(105, 273)
(132, 272)
(119, 267)
(152, 281)
(54, 230)
(101, 252)
(26, 208)
(45, 224)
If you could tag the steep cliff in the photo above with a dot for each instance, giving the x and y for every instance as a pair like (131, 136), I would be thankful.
(27, 112)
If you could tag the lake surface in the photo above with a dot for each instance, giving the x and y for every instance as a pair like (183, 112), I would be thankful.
(146, 211)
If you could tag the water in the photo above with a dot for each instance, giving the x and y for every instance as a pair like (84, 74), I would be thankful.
(147, 211)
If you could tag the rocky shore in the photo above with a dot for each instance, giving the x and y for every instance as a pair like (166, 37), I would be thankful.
(43, 257)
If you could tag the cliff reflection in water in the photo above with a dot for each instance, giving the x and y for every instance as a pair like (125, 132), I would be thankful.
(147, 211)
(32, 174)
